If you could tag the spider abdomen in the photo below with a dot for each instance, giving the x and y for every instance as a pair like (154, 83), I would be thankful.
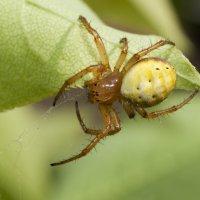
(149, 81)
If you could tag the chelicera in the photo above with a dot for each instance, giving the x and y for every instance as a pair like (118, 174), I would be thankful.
(142, 82)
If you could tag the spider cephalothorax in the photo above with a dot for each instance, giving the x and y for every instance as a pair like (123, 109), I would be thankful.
(106, 89)
(141, 83)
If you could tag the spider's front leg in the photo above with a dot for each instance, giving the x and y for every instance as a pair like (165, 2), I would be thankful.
(95, 69)
(83, 126)
(155, 114)
(102, 134)
(115, 122)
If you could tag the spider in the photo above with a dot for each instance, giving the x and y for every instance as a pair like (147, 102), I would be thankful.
(142, 82)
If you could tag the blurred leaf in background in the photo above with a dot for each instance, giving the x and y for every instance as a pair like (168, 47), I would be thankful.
(148, 159)
(143, 17)
(189, 15)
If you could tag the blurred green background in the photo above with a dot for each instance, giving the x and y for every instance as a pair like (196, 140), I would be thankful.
(148, 159)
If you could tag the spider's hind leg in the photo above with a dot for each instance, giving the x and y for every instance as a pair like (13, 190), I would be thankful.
(137, 56)
(128, 107)
(155, 114)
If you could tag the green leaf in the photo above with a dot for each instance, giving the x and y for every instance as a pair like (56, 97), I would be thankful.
(42, 44)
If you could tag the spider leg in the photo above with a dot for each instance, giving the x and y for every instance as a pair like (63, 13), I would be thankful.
(95, 69)
(98, 41)
(114, 121)
(155, 114)
(144, 52)
(128, 107)
(123, 54)
(92, 144)
(85, 129)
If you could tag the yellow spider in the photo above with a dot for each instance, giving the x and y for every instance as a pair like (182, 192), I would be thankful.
(142, 82)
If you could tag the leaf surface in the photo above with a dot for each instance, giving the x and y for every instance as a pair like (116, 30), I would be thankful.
(42, 44)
